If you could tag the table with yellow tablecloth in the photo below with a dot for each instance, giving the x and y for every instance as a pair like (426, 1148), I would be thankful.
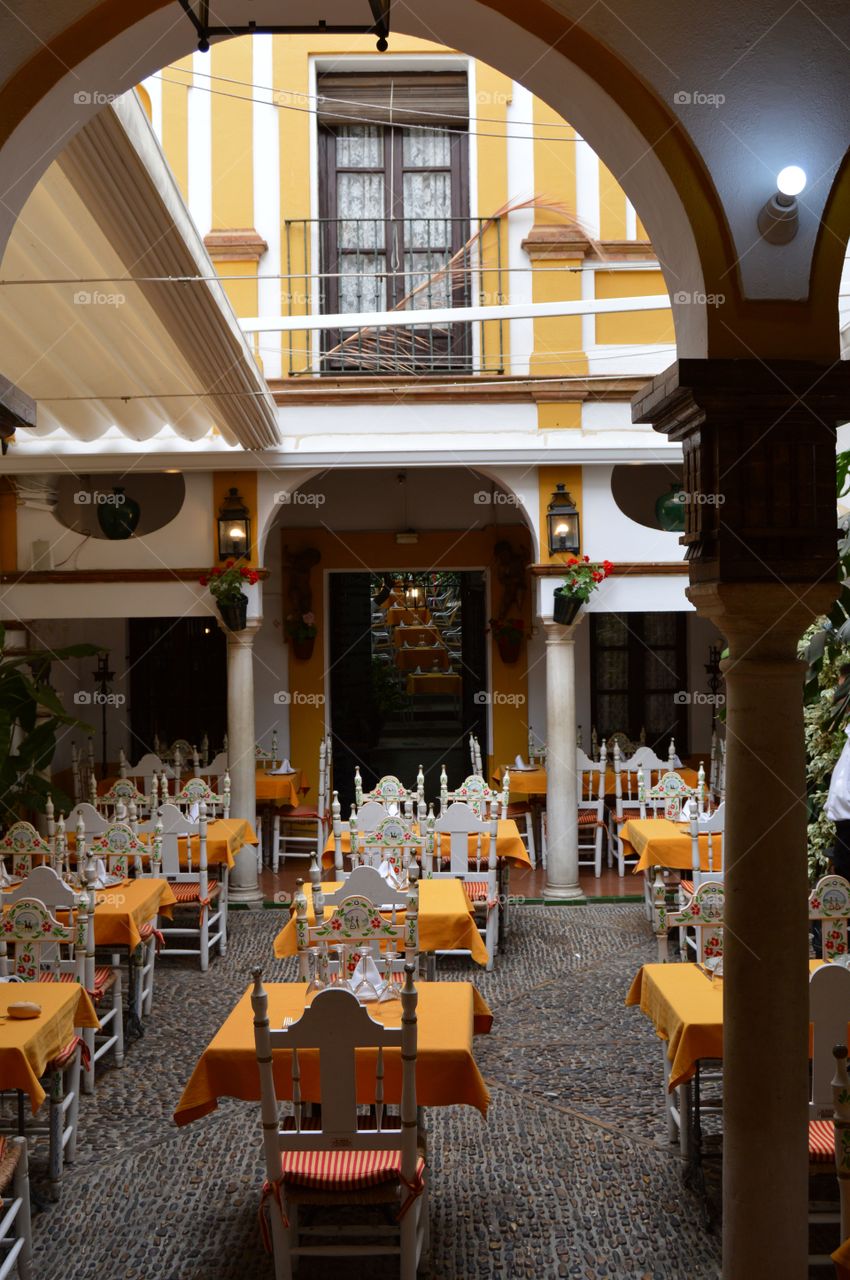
(658, 842)
(509, 845)
(432, 683)
(400, 614)
(281, 789)
(28, 1045)
(685, 1006)
(532, 782)
(119, 913)
(425, 657)
(225, 837)
(415, 635)
(448, 1015)
(446, 922)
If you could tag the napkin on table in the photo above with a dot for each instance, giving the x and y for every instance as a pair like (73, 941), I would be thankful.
(367, 972)
(285, 767)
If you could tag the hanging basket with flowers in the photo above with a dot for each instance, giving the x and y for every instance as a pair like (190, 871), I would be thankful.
(301, 631)
(583, 577)
(226, 587)
(509, 634)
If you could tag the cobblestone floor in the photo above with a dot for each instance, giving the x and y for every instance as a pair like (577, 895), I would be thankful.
(570, 1176)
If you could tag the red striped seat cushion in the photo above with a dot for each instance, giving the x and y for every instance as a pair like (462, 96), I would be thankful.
(821, 1141)
(343, 1170)
(587, 818)
(103, 978)
(476, 890)
(518, 810)
(686, 885)
(65, 1056)
(299, 811)
(627, 815)
(190, 890)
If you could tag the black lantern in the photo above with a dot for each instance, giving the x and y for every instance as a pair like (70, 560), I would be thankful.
(234, 528)
(562, 519)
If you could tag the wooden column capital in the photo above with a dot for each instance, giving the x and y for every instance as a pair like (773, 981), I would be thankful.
(758, 441)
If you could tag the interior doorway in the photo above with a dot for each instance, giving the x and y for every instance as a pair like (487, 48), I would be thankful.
(178, 682)
(408, 663)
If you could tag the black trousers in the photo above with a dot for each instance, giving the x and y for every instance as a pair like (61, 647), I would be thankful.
(841, 850)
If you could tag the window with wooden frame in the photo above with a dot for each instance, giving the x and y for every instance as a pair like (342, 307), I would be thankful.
(394, 217)
(638, 663)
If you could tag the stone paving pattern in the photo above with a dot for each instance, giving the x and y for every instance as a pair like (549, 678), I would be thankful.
(570, 1176)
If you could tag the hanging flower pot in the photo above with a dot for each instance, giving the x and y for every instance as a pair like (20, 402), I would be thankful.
(303, 648)
(509, 647)
(234, 614)
(566, 609)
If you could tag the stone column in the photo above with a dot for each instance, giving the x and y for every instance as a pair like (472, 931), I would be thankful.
(561, 787)
(758, 440)
(241, 745)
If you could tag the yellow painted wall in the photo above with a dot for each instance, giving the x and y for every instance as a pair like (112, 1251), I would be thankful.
(246, 483)
(612, 206)
(547, 479)
(636, 326)
(232, 132)
(493, 92)
(445, 549)
(176, 80)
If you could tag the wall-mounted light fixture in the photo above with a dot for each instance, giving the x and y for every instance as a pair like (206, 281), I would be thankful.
(234, 528)
(564, 526)
(778, 220)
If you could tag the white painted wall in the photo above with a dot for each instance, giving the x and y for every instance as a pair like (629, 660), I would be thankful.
(609, 534)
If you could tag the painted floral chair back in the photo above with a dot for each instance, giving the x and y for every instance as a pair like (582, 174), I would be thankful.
(829, 902)
(196, 792)
(388, 791)
(395, 840)
(33, 940)
(22, 848)
(665, 799)
(704, 913)
(474, 791)
(118, 846)
(123, 792)
(356, 926)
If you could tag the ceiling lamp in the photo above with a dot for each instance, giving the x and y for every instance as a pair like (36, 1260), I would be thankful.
(199, 16)
(234, 528)
(778, 220)
(563, 523)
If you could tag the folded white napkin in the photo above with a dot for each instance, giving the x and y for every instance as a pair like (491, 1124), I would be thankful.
(100, 874)
(387, 870)
(194, 812)
(285, 767)
(4, 874)
(365, 973)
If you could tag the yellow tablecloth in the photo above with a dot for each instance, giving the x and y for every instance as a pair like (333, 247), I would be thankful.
(427, 657)
(413, 617)
(445, 920)
(225, 837)
(415, 635)
(509, 846)
(448, 1014)
(433, 682)
(526, 782)
(658, 842)
(686, 1008)
(119, 913)
(27, 1046)
(282, 789)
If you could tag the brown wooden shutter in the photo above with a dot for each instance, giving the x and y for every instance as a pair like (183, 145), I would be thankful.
(399, 98)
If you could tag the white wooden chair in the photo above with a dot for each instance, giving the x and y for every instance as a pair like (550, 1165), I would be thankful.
(712, 828)
(717, 768)
(485, 801)
(829, 1099)
(216, 768)
(196, 792)
(82, 770)
(627, 773)
(191, 885)
(666, 797)
(341, 1162)
(467, 862)
(22, 848)
(123, 792)
(15, 1217)
(149, 767)
(395, 840)
(590, 779)
(303, 828)
(389, 792)
(33, 945)
(475, 756)
(702, 912)
(358, 926)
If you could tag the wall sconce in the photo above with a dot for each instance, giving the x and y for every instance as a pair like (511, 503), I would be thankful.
(563, 523)
(778, 220)
(234, 528)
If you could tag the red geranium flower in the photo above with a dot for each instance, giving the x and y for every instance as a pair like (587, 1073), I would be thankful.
(204, 580)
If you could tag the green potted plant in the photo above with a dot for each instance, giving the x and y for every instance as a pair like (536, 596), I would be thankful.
(301, 631)
(583, 577)
(226, 588)
(509, 634)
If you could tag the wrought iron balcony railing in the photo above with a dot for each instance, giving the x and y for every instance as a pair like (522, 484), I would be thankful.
(335, 266)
